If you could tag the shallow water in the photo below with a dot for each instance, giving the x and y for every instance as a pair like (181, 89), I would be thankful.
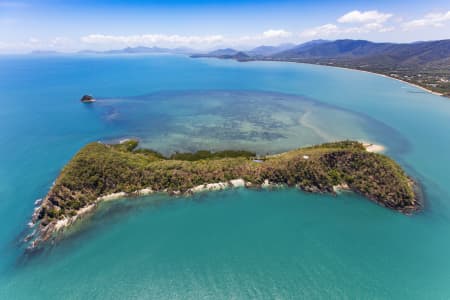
(232, 244)
(260, 121)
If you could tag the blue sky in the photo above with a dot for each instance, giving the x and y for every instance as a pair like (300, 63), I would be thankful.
(72, 25)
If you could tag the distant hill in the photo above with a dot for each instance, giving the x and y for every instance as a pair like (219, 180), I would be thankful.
(240, 56)
(221, 52)
(426, 64)
(139, 50)
(230, 53)
(269, 50)
(226, 53)
(45, 52)
(365, 51)
(339, 48)
(305, 46)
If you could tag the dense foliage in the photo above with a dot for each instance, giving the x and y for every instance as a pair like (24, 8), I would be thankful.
(100, 169)
(204, 154)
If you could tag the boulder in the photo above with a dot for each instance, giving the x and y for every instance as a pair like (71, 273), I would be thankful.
(87, 99)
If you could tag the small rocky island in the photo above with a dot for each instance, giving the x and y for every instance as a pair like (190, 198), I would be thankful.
(100, 172)
(87, 99)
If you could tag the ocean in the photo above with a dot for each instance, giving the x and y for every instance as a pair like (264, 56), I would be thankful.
(233, 244)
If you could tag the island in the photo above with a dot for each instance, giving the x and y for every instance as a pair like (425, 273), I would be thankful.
(101, 172)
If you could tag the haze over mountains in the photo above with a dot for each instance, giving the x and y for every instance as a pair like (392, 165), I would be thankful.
(141, 49)
(418, 52)
(423, 63)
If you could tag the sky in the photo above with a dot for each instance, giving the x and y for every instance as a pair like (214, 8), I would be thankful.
(73, 25)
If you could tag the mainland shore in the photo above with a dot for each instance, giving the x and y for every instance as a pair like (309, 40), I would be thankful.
(348, 68)
(386, 76)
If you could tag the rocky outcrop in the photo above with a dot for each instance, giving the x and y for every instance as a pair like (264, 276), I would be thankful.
(101, 172)
(87, 99)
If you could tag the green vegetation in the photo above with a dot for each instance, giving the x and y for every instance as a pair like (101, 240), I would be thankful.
(100, 169)
(131, 146)
(203, 154)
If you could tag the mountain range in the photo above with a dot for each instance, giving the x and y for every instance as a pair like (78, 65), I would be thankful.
(413, 53)
(426, 64)
(417, 53)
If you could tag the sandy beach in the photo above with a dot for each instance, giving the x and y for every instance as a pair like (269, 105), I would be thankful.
(379, 74)
(370, 147)
(386, 76)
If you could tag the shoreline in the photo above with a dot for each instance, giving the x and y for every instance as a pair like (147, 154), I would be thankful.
(51, 233)
(48, 225)
(387, 76)
(375, 148)
(347, 68)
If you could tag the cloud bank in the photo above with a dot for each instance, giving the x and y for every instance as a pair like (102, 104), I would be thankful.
(270, 35)
(150, 39)
(432, 19)
(370, 16)
(353, 22)
(276, 33)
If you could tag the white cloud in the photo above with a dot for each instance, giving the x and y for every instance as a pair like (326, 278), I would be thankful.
(353, 22)
(18, 46)
(324, 30)
(269, 35)
(433, 19)
(334, 30)
(33, 43)
(105, 42)
(61, 43)
(386, 29)
(163, 40)
(150, 39)
(370, 16)
(276, 33)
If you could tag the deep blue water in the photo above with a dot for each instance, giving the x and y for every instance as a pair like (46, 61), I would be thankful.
(233, 244)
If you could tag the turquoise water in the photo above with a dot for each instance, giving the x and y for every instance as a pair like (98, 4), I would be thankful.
(260, 121)
(233, 244)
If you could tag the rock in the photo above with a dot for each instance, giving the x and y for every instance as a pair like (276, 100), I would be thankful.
(87, 99)
(266, 183)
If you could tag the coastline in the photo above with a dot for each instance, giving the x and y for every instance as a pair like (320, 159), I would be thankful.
(386, 76)
(375, 148)
(320, 169)
(64, 223)
(346, 68)
(51, 232)
(369, 146)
